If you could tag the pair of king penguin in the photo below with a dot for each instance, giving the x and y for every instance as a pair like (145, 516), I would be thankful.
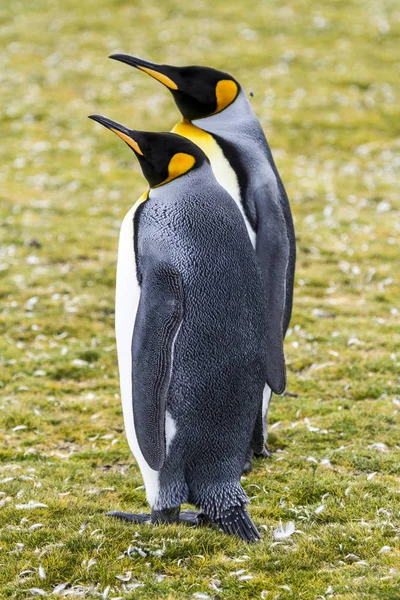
(204, 294)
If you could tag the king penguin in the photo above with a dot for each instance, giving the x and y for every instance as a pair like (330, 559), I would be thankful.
(191, 341)
(218, 117)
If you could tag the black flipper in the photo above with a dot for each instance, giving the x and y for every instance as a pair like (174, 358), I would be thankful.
(158, 319)
(273, 255)
(284, 200)
(236, 521)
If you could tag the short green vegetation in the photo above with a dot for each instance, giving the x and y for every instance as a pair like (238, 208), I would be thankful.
(325, 79)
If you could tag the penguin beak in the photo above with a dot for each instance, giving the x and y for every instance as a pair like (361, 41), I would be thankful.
(152, 69)
(123, 132)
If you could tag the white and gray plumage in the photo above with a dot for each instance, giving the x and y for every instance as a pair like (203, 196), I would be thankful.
(191, 340)
(218, 117)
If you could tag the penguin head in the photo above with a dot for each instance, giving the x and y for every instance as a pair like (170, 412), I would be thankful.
(198, 91)
(162, 156)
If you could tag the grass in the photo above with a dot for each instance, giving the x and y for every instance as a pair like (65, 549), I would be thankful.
(325, 81)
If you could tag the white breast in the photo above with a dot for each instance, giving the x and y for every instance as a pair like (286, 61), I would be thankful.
(226, 177)
(126, 305)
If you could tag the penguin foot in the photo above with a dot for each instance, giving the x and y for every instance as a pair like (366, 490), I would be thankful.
(248, 465)
(192, 517)
(168, 515)
(236, 521)
(233, 521)
(265, 453)
(139, 518)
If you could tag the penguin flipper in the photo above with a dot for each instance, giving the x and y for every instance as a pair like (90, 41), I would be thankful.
(272, 248)
(157, 324)
(292, 254)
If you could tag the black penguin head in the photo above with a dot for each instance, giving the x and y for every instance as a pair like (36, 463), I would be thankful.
(198, 91)
(162, 156)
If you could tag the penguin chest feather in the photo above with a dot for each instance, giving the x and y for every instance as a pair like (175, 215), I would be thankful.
(126, 306)
(223, 171)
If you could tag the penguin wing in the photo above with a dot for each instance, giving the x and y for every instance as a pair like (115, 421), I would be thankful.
(292, 254)
(272, 248)
(157, 324)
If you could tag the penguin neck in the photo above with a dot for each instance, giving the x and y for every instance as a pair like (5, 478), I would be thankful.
(200, 137)
(183, 184)
(239, 113)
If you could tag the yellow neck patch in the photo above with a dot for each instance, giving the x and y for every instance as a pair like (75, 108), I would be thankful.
(179, 164)
(142, 198)
(201, 138)
(129, 141)
(198, 136)
(160, 77)
(225, 92)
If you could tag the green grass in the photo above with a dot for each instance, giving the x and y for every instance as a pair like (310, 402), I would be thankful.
(325, 78)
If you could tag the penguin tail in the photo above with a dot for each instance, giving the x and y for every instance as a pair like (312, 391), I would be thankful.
(236, 521)
(225, 505)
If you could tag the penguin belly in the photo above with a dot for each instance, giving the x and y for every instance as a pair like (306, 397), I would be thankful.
(126, 305)
(223, 171)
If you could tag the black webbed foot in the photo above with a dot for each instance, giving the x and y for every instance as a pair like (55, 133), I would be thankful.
(233, 521)
(139, 518)
(192, 517)
(248, 464)
(168, 515)
(265, 453)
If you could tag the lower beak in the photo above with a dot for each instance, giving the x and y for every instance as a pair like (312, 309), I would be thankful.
(123, 132)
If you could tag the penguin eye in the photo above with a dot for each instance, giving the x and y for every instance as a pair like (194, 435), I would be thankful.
(226, 91)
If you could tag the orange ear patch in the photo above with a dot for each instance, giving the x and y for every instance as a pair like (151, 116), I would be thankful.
(128, 140)
(225, 92)
(160, 77)
(179, 164)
